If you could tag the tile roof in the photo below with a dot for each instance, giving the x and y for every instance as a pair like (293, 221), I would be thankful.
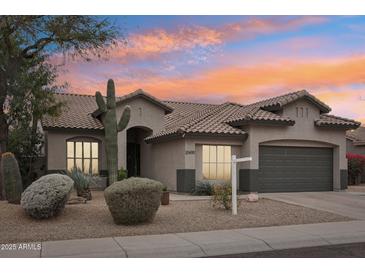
(149, 97)
(331, 120)
(254, 113)
(357, 135)
(208, 120)
(276, 103)
(77, 114)
(183, 110)
(194, 118)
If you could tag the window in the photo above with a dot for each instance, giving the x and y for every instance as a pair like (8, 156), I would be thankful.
(217, 162)
(83, 155)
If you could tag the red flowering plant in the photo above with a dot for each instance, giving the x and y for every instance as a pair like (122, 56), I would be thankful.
(356, 166)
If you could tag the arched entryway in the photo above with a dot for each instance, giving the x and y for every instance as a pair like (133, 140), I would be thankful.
(137, 150)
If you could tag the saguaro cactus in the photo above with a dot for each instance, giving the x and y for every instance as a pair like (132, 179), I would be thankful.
(111, 128)
(11, 178)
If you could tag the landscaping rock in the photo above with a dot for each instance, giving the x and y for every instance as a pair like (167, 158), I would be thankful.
(47, 196)
(253, 197)
(134, 200)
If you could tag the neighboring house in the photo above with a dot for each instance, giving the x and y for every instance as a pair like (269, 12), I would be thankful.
(355, 141)
(294, 143)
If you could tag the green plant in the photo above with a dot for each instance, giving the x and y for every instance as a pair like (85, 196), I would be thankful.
(203, 188)
(164, 188)
(11, 178)
(133, 200)
(356, 166)
(82, 182)
(122, 174)
(47, 196)
(222, 196)
(111, 128)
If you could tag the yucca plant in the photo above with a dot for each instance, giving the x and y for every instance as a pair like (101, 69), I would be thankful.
(81, 182)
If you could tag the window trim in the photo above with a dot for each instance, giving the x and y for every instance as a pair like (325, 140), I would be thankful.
(85, 139)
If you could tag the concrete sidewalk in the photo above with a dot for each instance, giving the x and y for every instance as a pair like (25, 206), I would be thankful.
(201, 244)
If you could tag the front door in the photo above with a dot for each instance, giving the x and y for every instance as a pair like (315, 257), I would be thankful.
(133, 160)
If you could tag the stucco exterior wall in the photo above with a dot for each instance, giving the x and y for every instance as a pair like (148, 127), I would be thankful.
(144, 114)
(302, 133)
(354, 149)
(56, 146)
(165, 159)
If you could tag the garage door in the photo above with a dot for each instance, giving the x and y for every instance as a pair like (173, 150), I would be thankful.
(293, 169)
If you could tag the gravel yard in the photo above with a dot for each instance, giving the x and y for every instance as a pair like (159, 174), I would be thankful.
(93, 220)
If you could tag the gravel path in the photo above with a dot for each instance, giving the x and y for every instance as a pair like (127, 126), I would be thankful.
(93, 220)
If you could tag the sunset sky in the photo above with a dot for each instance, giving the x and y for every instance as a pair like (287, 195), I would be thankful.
(233, 58)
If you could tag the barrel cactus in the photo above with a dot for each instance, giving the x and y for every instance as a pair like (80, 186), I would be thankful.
(133, 200)
(108, 117)
(11, 178)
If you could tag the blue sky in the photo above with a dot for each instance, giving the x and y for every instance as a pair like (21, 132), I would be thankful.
(235, 58)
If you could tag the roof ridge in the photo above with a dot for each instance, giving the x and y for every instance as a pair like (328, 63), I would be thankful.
(191, 103)
(278, 96)
(73, 94)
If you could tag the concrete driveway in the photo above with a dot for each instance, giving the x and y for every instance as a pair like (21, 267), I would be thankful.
(348, 204)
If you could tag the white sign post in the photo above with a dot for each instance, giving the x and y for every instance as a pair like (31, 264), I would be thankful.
(234, 180)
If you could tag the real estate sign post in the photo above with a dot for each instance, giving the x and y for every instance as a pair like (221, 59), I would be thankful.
(234, 180)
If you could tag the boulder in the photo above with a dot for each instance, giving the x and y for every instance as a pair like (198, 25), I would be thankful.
(253, 197)
(47, 196)
(133, 200)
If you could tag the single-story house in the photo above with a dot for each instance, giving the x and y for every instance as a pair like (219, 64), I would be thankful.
(355, 142)
(294, 143)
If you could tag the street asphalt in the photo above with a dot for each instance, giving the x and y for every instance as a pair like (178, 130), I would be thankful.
(356, 250)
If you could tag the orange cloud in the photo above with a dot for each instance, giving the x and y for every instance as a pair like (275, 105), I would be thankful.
(251, 83)
(155, 42)
(245, 82)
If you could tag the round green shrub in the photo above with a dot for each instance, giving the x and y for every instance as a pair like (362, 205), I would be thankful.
(47, 196)
(134, 200)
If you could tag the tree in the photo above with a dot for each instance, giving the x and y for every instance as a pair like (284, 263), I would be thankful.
(24, 39)
(34, 99)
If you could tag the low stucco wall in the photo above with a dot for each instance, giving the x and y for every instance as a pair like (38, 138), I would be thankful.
(356, 150)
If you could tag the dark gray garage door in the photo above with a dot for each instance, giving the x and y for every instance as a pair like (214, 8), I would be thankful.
(289, 169)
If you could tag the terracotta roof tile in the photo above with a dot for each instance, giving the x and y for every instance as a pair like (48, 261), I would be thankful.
(331, 120)
(193, 118)
(279, 101)
(77, 113)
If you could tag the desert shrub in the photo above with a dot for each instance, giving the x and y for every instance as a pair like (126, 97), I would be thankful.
(47, 196)
(133, 200)
(122, 174)
(11, 177)
(205, 187)
(356, 166)
(222, 195)
(82, 182)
